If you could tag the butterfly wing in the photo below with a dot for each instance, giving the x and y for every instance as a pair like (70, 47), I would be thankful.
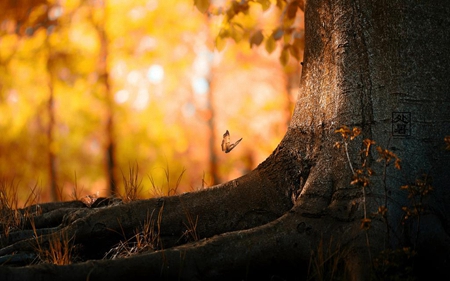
(233, 145)
(227, 146)
(226, 142)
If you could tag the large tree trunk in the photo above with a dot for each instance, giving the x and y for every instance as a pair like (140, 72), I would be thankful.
(303, 209)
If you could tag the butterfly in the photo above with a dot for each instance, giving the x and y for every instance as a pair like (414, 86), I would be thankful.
(227, 146)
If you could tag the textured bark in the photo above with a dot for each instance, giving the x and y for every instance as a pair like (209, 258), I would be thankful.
(363, 61)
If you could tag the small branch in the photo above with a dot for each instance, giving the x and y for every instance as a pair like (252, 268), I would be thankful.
(348, 157)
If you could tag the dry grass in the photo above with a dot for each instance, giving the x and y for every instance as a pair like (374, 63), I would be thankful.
(168, 190)
(59, 251)
(395, 264)
(327, 262)
(77, 192)
(145, 239)
(11, 218)
(132, 184)
(190, 234)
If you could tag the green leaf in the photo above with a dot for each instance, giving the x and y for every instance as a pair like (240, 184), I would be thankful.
(265, 4)
(270, 44)
(256, 38)
(202, 5)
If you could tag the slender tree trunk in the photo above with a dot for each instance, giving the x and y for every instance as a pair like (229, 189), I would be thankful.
(212, 142)
(51, 127)
(105, 80)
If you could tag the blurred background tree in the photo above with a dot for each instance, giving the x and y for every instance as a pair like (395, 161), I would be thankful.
(92, 89)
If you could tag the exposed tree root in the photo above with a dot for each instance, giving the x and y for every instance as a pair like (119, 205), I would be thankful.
(289, 217)
(247, 202)
(248, 228)
(279, 248)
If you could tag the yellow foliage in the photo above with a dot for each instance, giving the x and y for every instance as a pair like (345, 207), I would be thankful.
(154, 123)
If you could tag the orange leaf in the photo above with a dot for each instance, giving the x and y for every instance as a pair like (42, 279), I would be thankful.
(202, 5)
(270, 44)
(220, 43)
(256, 38)
(265, 4)
(284, 56)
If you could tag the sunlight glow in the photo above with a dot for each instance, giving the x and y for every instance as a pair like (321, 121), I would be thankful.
(151, 5)
(142, 99)
(202, 63)
(137, 13)
(119, 69)
(188, 109)
(146, 44)
(55, 12)
(12, 96)
(200, 85)
(155, 74)
(171, 90)
(133, 77)
(121, 96)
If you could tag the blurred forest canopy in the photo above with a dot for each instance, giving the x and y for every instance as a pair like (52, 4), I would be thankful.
(138, 87)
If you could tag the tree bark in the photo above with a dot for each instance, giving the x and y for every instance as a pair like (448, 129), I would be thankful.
(374, 65)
